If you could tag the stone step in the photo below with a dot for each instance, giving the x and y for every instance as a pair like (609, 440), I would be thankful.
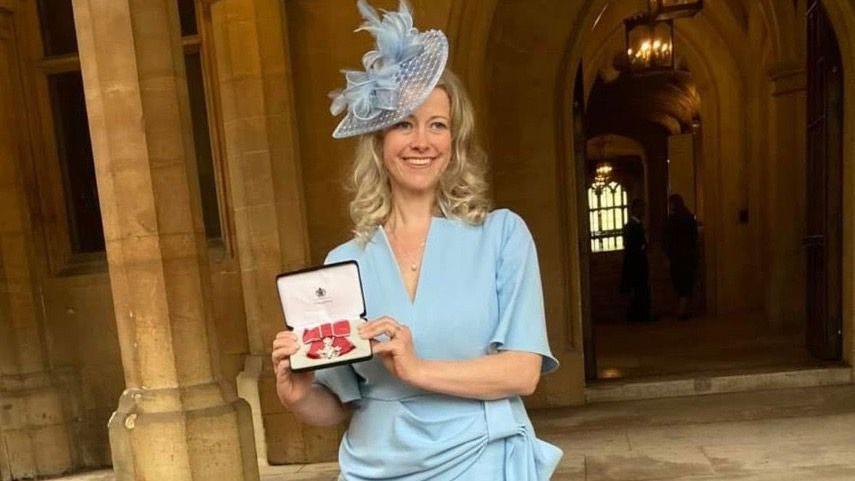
(671, 386)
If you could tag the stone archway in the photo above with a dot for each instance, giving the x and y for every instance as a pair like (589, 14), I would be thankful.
(538, 110)
(542, 100)
(521, 66)
(713, 75)
(723, 118)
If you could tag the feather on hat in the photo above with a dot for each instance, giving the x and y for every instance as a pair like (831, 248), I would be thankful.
(399, 74)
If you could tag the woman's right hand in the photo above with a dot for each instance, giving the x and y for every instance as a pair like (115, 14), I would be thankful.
(292, 387)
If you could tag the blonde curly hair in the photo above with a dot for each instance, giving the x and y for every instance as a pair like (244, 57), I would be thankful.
(463, 191)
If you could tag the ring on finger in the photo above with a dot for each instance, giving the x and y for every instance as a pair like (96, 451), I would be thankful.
(394, 331)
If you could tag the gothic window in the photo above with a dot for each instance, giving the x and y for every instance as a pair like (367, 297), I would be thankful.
(608, 212)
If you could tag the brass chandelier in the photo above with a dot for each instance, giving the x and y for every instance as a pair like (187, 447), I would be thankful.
(650, 34)
(602, 176)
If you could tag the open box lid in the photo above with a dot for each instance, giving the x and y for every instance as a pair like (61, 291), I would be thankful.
(321, 294)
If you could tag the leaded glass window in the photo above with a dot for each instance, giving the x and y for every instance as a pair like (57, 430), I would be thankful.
(608, 212)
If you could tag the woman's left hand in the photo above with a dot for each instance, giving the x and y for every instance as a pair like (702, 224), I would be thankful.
(397, 354)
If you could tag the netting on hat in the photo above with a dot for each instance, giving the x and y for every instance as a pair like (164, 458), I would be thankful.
(416, 79)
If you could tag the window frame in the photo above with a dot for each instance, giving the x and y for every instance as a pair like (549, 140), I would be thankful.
(223, 247)
(51, 212)
(616, 232)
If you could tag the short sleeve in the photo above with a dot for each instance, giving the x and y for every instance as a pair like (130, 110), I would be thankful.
(522, 321)
(341, 380)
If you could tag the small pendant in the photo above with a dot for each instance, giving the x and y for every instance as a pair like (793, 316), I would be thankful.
(413, 267)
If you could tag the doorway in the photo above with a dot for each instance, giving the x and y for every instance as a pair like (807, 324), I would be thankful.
(737, 338)
(824, 231)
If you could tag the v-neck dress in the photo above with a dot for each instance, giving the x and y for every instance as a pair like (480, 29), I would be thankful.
(479, 292)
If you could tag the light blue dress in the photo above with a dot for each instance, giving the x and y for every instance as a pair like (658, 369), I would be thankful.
(479, 291)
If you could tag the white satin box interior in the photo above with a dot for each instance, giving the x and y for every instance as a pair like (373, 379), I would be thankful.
(323, 306)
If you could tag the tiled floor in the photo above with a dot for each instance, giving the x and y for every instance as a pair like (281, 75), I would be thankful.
(805, 434)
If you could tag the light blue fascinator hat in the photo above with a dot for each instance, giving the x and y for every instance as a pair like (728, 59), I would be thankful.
(399, 74)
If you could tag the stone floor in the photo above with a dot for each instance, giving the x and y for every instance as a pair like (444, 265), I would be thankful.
(702, 344)
(794, 434)
(805, 434)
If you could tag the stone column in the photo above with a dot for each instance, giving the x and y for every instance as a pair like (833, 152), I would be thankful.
(266, 194)
(34, 431)
(173, 422)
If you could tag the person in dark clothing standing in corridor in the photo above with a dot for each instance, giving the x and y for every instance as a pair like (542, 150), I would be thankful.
(635, 275)
(681, 246)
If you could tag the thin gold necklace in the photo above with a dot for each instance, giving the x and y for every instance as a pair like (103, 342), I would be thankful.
(412, 257)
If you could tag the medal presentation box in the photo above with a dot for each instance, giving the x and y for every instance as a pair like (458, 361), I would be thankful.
(323, 306)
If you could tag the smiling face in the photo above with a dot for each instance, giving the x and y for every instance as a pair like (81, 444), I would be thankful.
(417, 150)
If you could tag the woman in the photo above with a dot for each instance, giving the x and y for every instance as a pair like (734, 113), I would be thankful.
(453, 290)
(681, 246)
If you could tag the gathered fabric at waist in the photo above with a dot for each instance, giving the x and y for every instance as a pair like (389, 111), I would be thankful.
(439, 437)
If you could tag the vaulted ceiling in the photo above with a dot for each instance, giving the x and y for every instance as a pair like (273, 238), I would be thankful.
(670, 100)
(719, 36)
